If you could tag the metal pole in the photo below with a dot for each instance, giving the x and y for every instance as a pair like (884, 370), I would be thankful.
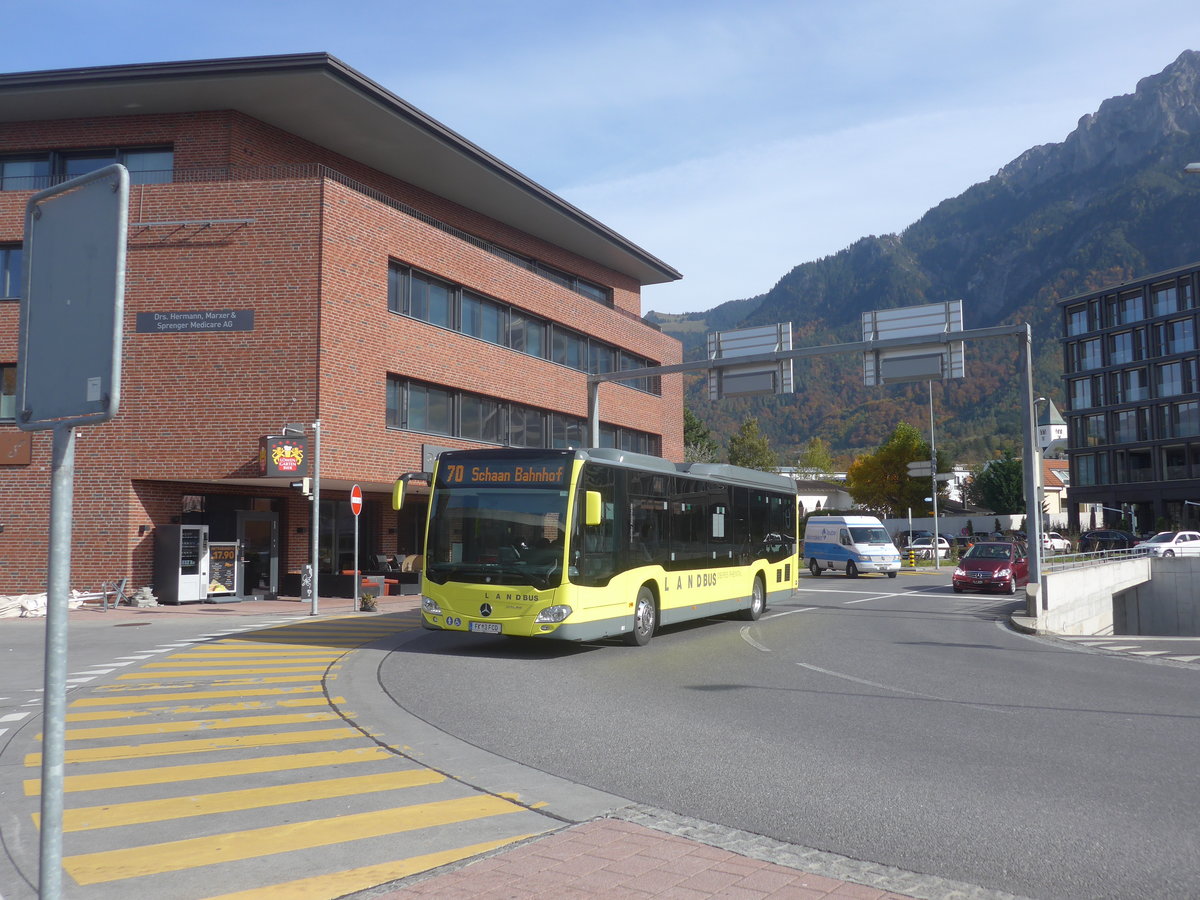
(58, 581)
(937, 535)
(357, 577)
(594, 412)
(1033, 524)
(316, 512)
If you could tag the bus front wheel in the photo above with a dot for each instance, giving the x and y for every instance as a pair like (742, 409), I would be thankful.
(758, 602)
(645, 617)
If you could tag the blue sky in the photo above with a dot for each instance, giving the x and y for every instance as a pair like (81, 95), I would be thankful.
(733, 140)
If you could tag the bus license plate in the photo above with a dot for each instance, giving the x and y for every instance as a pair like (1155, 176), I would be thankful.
(486, 627)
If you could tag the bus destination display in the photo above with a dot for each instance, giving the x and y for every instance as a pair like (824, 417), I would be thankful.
(501, 473)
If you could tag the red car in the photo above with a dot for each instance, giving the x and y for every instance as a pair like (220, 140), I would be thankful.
(992, 566)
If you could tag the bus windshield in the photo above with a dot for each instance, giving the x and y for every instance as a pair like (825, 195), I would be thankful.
(497, 535)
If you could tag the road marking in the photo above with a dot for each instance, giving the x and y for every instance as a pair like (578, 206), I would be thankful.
(339, 884)
(14, 717)
(1149, 652)
(745, 633)
(867, 599)
(175, 856)
(200, 771)
(190, 695)
(199, 725)
(1184, 658)
(886, 687)
(140, 812)
(203, 745)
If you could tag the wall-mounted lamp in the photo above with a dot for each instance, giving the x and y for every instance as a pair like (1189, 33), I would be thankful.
(142, 529)
(1, 529)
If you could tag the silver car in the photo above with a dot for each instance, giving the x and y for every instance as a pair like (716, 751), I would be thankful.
(1172, 543)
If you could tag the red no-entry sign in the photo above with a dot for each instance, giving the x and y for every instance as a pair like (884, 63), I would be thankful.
(356, 499)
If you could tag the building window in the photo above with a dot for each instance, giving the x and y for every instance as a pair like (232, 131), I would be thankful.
(1077, 320)
(482, 419)
(1130, 425)
(417, 406)
(1095, 432)
(8, 392)
(1179, 420)
(413, 293)
(1164, 299)
(1175, 464)
(1175, 378)
(526, 427)
(568, 348)
(1086, 355)
(35, 171)
(11, 256)
(1085, 469)
(1120, 348)
(1130, 386)
(483, 319)
(1130, 308)
(526, 334)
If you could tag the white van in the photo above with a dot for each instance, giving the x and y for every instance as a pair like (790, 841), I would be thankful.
(849, 544)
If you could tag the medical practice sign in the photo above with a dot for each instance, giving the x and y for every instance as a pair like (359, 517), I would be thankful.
(190, 321)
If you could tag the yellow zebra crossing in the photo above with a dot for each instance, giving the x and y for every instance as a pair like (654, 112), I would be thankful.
(226, 769)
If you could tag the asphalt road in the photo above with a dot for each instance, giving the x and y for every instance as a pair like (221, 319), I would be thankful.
(882, 719)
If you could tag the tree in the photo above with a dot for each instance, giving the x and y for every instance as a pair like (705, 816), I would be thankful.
(699, 445)
(880, 481)
(817, 457)
(999, 485)
(751, 449)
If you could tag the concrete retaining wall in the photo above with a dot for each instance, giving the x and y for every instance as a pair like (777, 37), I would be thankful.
(1080, 601)
(1130, 596)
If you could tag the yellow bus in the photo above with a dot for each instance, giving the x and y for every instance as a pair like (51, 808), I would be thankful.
(581, 545)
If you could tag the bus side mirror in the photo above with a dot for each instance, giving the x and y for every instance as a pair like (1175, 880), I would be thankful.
(398, 493)
(593, 511)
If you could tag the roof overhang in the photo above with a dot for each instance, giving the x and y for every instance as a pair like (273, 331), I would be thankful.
(319, 98)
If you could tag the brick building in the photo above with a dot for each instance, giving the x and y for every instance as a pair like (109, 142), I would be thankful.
(373, 272)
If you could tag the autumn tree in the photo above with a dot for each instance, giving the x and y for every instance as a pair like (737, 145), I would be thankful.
(880, 480)
(699, 445)
(751, 449)
(999, 485)
(816, 457)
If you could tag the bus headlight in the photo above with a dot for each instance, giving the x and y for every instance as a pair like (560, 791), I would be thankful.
(553, 614)
(429, 605)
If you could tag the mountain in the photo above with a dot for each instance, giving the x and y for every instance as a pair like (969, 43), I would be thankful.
(1109, 203)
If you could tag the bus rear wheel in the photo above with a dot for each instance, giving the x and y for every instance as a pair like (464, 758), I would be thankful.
(758, 602)
(815, 568)
(645, 618)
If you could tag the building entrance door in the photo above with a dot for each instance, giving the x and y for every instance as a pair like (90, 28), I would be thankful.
(258, 534)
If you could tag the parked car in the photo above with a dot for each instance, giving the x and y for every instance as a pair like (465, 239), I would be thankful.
(923, 548)
(1055, 542)
(904, 538)
(1172, 543)
(992, 566)
(1105, 539)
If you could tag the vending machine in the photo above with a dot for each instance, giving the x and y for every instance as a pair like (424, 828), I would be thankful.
(181, 563)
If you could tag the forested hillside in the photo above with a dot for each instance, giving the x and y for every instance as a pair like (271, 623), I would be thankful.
(1109, 203)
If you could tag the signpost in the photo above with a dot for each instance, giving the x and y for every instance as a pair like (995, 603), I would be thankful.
(68, 374)
(356, 508)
